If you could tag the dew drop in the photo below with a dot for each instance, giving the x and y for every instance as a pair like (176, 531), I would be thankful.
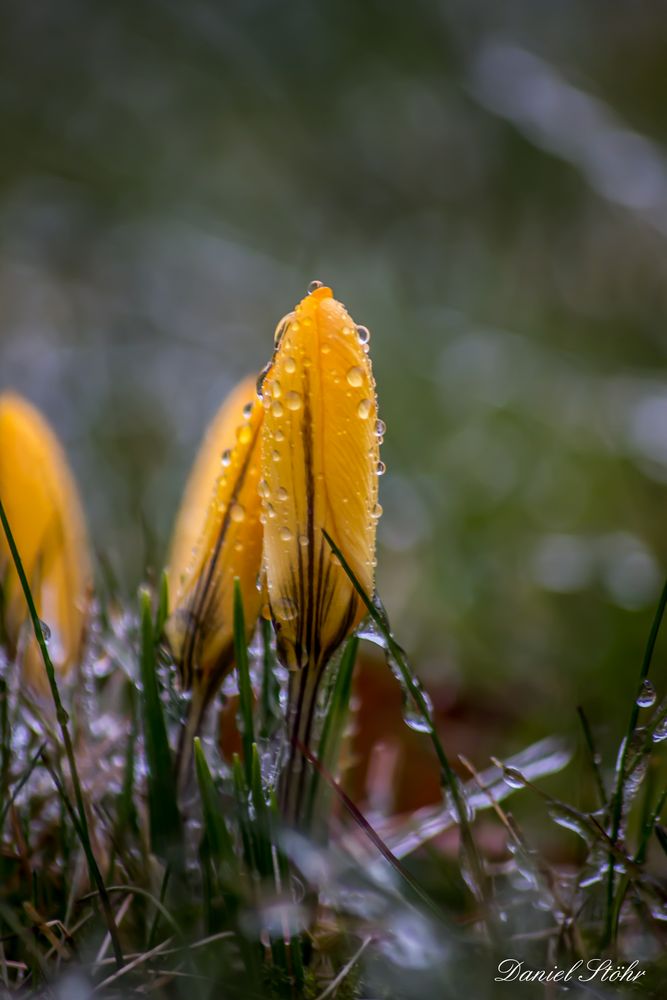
(285, 535)
(237, 512)
(380, 428)
(226, 458)
(303, 541)
(247, 411)
(293, 401)
(380, 468)
(413, 716)
(276, 389)
(281, 328)
(314, 285)
(355, 376)
(46, 631)
(244, 434)
(282, 493)
(290, 366)
(364, 409)
(659, 734)
(376, 512)
(277, 408)
(275, 455)
(364, 334)
(513, 778)
(263, 488)
(647, 695)
(279, 436)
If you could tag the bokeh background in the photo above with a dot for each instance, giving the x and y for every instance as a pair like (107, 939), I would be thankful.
(484, 185)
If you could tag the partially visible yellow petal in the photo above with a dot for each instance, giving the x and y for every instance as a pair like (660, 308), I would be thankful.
(217, 537)
(44, 511)
(320, 458)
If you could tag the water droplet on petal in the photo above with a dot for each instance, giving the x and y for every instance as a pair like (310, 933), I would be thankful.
(247, 411)
(282, 493)
(303, 541)
(290, 366)
(381, 468)
(647, 695)
(364, 334)
(279, 436)
(285, 535)
(314, 285)
(380, 428)
(244, 434)
(376, 512)
(226, 458)
(237, 512)
(364, 409)
(293, 401)
(281, 328)
(277, 408)
(355, 376)
(263, 488)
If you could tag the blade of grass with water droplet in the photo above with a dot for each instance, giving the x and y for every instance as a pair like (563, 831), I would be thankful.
(619, 792)
(270, 714)
(164, 815)
(415, 692)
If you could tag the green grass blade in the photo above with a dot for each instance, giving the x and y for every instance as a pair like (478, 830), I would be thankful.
(619, 792)
(270, 714)
(245, 688)
(413, 688)
(165, 819)
(332, 734)
(219, 842)
(63, 722)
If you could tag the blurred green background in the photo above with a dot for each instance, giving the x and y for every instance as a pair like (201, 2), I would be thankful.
(485, 186)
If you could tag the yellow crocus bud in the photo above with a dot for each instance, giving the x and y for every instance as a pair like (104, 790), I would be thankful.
(217, 537)
(42, 505)
(320, 464)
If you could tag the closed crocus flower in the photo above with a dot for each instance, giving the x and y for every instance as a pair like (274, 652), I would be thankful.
(320, 464)
(44, 512)
(217, 537)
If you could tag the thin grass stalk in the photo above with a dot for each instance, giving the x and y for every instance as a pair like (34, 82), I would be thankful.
(245, 687)
(63, 722)
(469, 847)
(617, 803)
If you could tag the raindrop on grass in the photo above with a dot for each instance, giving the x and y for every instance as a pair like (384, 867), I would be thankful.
(647, 695)
(659, 734)
(46, 630)
(513, 778)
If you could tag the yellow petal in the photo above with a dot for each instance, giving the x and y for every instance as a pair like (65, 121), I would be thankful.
(217, 537)
(45, 514)
(320, 454)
